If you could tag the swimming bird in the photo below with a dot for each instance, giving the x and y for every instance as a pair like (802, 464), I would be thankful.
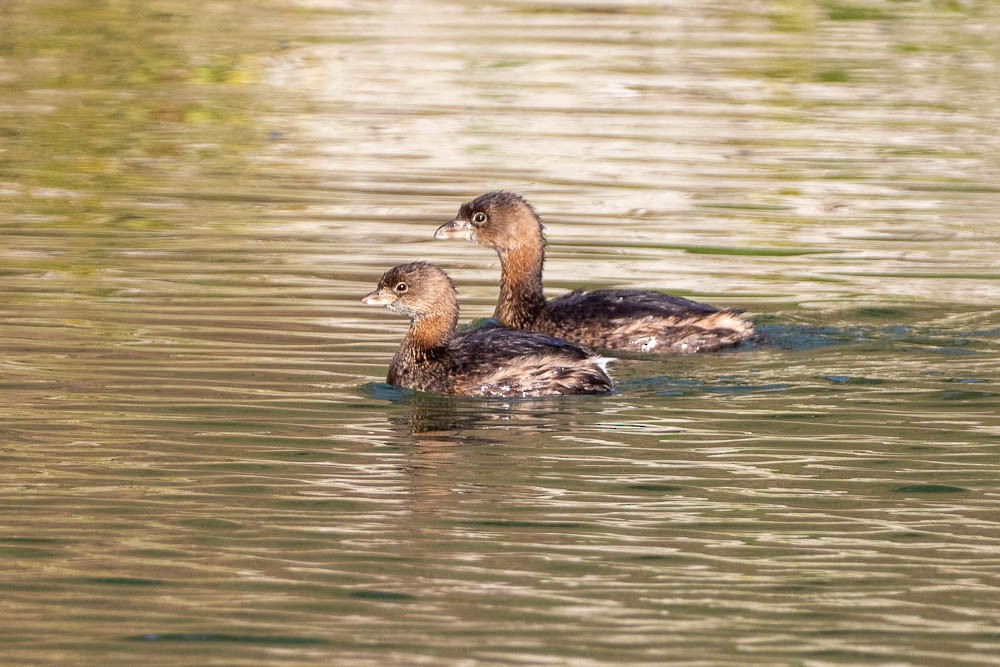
(489, 361)
(616, 319)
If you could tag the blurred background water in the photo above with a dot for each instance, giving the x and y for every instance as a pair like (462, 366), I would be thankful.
(202, 464)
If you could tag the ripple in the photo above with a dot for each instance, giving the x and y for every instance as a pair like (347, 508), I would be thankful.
(202, 637)
(929, 488)
(198, 446)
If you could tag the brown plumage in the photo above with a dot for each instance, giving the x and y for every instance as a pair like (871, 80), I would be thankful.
(634, 320)
(491, 361)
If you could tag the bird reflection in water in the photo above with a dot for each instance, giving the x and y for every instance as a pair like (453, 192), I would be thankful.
(463, 445)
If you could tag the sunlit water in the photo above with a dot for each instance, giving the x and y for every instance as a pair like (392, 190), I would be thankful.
(201, 463)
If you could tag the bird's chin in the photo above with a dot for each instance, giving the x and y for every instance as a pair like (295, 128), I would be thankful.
(399, 309)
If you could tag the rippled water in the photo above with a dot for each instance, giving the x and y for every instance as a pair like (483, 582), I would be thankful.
(202, 465)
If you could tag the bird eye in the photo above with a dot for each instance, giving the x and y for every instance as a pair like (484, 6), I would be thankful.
(479, 217)
(401, 287)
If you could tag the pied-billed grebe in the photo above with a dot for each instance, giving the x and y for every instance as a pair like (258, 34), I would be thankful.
(634, 320)
(483, 362)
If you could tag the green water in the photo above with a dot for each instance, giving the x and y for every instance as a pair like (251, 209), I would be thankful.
(202, 465)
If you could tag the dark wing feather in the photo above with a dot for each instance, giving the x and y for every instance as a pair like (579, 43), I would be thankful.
(493, 361)
(621, 303)
(497, 344)
(642, 321)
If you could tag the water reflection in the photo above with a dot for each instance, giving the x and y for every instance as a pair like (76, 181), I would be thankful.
(198, 451)
(428, 414)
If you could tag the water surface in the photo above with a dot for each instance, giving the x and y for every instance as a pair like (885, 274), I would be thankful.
(201, 462)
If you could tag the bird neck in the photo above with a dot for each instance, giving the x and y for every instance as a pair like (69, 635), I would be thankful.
(432, 331)
(521, 295)
(426, 341)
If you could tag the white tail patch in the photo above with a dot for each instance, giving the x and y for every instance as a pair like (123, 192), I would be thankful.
(648, 343)
(724, 319)
(602, 362)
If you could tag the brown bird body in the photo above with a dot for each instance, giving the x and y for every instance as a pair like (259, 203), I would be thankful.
(491, 361)
(633, 320)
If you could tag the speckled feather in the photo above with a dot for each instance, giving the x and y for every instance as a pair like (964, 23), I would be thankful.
(502, 362)
(641, 322)
(491, 361)
(633, 320)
